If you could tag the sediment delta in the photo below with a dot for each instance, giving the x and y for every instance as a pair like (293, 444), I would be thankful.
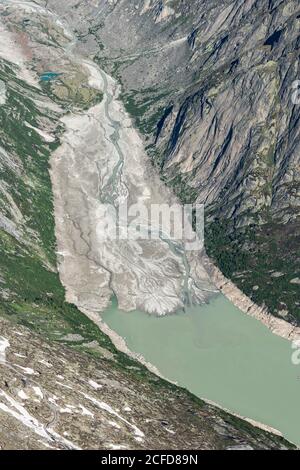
(101, 163)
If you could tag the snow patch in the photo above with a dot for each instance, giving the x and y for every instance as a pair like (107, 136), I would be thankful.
(117, 447)
(26, 370)
(45, 136)
(45, 363)
(20, 355)
(94, 385)
(4, 343)
(86, 412)
(114, 424)
(105, 407)
(18, 411)
(38, 392)
(2, 93)
(64, 385)
(170, 431)
(22, 395)
(66, 410)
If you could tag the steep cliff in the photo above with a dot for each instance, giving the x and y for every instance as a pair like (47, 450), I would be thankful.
(212, 87)
(63, 383)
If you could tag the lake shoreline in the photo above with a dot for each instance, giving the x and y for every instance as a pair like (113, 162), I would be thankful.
(276, 325)
(121, 345)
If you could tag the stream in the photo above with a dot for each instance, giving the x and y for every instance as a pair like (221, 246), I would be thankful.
(209, 347)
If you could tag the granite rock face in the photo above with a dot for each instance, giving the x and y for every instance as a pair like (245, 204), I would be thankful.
(213, 88)
(212, 85)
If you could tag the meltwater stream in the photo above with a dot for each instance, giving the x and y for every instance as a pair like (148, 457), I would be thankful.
(223, 355)
(215, 351)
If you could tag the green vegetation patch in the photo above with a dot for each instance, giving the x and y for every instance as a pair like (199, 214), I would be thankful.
(263, 261)
(146, 108)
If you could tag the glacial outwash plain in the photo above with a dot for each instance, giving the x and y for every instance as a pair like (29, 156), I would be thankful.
(145, 103)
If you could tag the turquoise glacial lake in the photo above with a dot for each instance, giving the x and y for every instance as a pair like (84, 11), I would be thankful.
(48, 76)
(220, 354)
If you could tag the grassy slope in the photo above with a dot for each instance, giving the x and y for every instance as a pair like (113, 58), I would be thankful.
(36, 297)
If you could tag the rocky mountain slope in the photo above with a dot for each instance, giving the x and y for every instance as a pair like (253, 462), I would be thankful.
(63, 383)
(210, 86)
(54, 397)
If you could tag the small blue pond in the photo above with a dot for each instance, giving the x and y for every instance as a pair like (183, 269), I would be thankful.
(48, 76)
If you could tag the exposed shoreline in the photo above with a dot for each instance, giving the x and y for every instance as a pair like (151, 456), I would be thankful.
(276, 325)
(257, 424)
(120, 344)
